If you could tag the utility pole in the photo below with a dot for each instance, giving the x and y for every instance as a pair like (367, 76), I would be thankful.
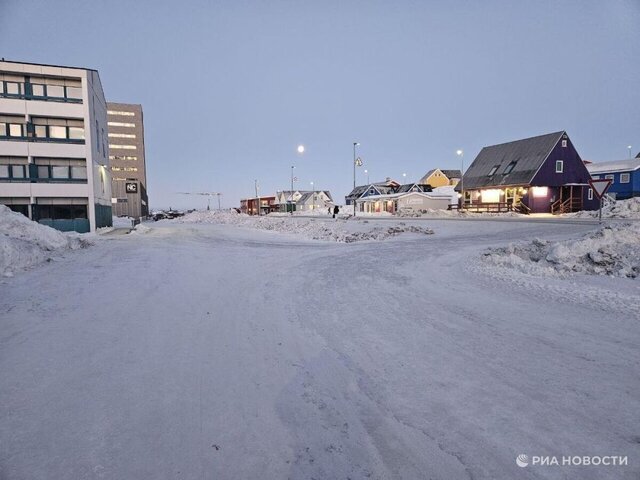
(257, 197)
(355, 144)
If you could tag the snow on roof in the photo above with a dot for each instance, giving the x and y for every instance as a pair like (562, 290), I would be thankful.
(614, 166)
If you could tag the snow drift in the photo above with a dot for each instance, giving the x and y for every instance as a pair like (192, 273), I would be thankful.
(629, 208)
(611, 250)
(336, 231)
(24, 243)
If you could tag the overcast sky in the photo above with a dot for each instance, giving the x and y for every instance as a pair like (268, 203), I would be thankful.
(229, 89)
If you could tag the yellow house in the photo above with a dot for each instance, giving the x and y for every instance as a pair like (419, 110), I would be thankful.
(440, 178)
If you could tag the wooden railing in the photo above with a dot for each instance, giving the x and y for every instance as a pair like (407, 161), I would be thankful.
(489, 207)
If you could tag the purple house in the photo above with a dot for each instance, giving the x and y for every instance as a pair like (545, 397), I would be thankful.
(541, 174)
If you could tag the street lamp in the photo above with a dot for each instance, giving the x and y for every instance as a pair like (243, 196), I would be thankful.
(300, 148)
(355, 144)
(629, 147)
(291, 192)
(404, 178)
(257, 196)
(367, 174)
(314, 196)
(460, 153)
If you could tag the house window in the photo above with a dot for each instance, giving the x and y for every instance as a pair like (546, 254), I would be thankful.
(509, 168)
(610, 177)
(37, 90)
(595, 177)
(43, 171)
(59, 172)
(564, 143)
(559, 166)
(625, 177)
(79, 173)
(590, 194)
(4, 171)
(17, 171)
(493, 170)
(13, 88)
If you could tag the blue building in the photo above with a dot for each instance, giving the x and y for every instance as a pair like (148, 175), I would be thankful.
(624, 175)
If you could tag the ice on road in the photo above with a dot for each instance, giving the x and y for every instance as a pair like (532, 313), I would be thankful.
(212, 351)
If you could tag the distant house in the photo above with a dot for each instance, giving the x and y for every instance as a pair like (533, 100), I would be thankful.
(538, 174)
(379, 188)
(624, 175)
(441, 178)
(287, 199)
(255, 206)
(314, 200)
(412, 197)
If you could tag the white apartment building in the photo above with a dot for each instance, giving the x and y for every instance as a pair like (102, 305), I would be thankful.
(54, 157)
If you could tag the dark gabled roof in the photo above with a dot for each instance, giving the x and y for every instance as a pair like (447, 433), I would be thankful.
(452, 173)
(382, 187)
(528, 154)
(638, 155)
(418, 187)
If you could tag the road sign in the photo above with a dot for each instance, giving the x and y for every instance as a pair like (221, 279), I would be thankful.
(600, 186)
(359, 162)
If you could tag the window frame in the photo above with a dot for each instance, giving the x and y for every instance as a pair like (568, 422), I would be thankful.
(627, 175)
(561, 164)
(493, 170)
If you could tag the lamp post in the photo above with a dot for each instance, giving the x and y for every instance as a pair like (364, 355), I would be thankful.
(291, 193)
(313, 193)
(460, 153)
(355, 144)
(404, 178)
(366, 172)
(629, 148)
(257, 196)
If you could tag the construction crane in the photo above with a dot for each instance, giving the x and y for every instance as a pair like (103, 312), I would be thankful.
(208, 195)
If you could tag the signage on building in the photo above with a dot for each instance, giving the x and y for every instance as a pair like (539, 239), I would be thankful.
(131, 187)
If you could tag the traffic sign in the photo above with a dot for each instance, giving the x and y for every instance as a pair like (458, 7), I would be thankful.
(600, 186)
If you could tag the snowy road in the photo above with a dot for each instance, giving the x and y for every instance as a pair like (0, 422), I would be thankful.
(217, 352)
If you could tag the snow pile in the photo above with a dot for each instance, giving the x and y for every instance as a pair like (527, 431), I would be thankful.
(612, 250)
(629, 208)
(140, 229)
(335, 231)
(24, 243)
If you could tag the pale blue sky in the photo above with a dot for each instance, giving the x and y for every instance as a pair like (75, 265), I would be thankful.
(229, 89)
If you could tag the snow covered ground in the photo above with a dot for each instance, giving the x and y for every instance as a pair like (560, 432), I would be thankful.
(222, 349)
(24, 244)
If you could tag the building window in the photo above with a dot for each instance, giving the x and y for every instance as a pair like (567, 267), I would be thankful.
(509, 168)
(18, 171)
(57, 131)
(38, 90)
(559, 166)
(121, 124)
(625, 177)
(4, 171)
(493, 170)
(13, 88)
(74, 93)
(79, 173)
(122, 135)
(76, 133)
(118, 112)
(59, 172)
(610, 177)
(590, 194)
(124, 147)
(564, 143)
(595, 177)
(43, 171)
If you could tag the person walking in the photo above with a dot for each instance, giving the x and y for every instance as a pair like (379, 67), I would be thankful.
(336, 210)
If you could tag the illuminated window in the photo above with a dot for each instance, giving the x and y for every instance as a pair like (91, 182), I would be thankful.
(117, 112)
(121, 124)
(122, 135)
(76, 133)
(57, 131)
(124, 147)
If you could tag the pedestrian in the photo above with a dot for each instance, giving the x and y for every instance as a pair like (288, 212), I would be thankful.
(336, 210)
(329, 210)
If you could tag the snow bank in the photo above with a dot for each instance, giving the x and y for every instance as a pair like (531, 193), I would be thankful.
(611, 250)
(629, 208)
(336, 231)
(24, 243)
